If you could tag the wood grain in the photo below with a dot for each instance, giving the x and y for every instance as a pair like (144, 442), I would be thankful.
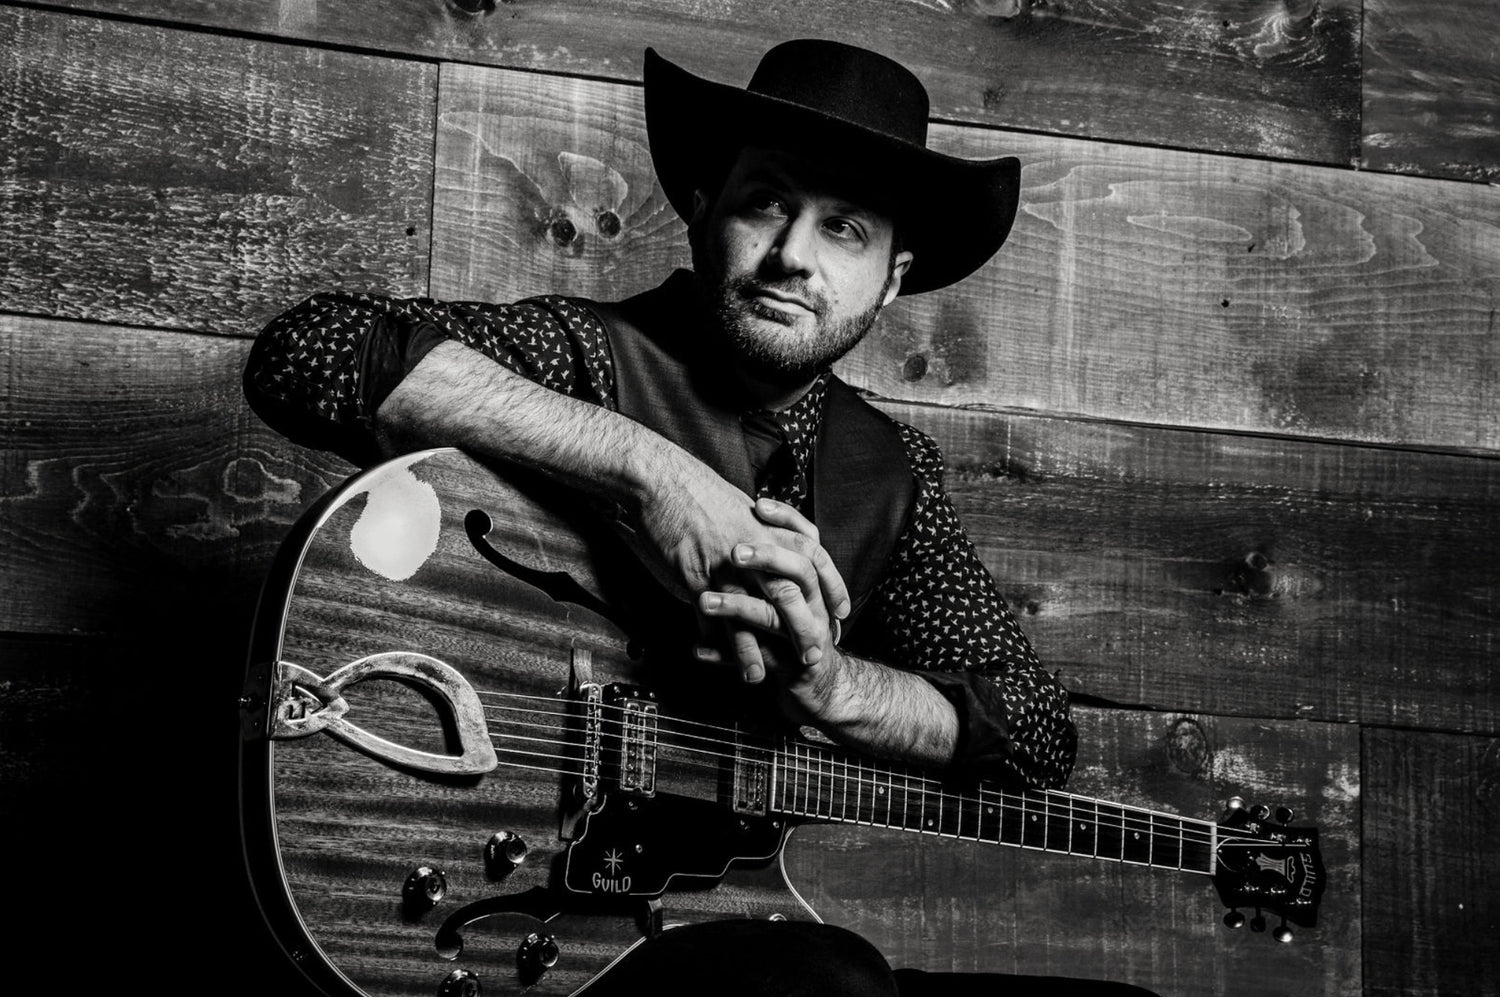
(946, 905)
(1138, 285)
(1238, 575)
(136, 481)
(1267, 77)
(1430, 846)
(160, 177)
(1431, 88)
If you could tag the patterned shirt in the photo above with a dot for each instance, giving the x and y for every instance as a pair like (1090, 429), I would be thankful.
(319, 372)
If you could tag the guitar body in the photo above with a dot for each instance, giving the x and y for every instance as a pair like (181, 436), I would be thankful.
(413, 814)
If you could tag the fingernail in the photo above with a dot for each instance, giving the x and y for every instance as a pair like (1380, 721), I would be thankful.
(743, 552)
(813, 656)
(842, 610)
(711, 601)
(754, 674)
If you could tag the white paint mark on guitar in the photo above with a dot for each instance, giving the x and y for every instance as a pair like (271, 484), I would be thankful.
(398, 530)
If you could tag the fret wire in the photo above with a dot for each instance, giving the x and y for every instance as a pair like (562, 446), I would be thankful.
(858, 790)
(843, 789)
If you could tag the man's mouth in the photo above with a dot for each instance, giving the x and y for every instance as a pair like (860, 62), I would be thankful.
(785, 302)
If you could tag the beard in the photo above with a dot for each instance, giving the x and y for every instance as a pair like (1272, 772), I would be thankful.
(763, 339)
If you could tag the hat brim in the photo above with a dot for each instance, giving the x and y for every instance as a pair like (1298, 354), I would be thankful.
(953, 213)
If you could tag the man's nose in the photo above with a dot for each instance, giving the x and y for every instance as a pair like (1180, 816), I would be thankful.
(794, 247)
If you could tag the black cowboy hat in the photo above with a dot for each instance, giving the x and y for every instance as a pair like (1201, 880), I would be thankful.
(848, 107)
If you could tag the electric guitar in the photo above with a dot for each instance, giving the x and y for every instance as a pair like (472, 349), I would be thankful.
(457, 778)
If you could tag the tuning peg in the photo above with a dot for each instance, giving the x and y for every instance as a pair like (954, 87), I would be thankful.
(1234, 919)
(1284, 815)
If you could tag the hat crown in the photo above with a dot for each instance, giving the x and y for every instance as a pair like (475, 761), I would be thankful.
(859, 86)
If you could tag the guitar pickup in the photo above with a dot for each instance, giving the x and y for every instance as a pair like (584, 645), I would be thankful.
(621, 739)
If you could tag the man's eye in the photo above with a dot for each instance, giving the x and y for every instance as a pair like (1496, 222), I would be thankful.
(841, 228)
(767, 204)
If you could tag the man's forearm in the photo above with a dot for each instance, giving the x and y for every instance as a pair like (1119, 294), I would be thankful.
(884, 711)
(456, 397)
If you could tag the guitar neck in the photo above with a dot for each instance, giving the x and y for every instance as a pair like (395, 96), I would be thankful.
(810, 780)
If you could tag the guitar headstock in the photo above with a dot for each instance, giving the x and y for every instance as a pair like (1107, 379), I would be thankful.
(1263, 863)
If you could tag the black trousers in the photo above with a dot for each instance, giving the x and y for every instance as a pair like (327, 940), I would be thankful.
(798, 959)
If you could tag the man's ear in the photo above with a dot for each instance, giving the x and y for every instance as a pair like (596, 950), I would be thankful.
(899, 266)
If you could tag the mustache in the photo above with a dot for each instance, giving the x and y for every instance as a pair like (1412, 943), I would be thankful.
(748, 286)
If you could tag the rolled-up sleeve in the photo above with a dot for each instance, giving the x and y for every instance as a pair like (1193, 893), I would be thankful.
(939, 613)
(319, 372)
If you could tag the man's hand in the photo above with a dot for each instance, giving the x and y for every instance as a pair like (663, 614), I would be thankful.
(785, 628)
(704, 531)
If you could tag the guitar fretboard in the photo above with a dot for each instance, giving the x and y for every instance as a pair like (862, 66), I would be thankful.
(809, 780)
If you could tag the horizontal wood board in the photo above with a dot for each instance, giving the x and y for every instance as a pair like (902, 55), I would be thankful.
(1238, 574)
(136, 480)
(1138, 284)
(1263, 77)
(1431, 802)
(176, 179)
(946, 905)
(1431, 88)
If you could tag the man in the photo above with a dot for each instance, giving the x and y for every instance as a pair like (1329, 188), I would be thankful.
(809, 532)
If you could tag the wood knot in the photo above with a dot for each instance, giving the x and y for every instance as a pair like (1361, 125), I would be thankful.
(1188, 750)
(608, 223)
(474, 6)
(1250, 576)
(915, 368)
(562, 230)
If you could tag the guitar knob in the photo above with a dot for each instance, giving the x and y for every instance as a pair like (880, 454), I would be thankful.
(1284, 815)
(1233, 806)
(1282, 934)
(423, 889)
(537, 954)
(503, 853)
(460, 983)
(1234, 919)
(1260, 811)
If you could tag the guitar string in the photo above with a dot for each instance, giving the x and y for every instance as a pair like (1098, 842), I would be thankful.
(1118, 817)
(1127, 818)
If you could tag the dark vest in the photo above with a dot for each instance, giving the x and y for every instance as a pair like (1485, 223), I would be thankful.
(862, 491)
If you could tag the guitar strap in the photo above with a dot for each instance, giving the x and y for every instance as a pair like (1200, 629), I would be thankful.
(666, 378)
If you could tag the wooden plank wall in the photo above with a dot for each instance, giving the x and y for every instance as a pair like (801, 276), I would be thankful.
(1222, 417)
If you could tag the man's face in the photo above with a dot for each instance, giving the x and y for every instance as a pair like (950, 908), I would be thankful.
(795, 273)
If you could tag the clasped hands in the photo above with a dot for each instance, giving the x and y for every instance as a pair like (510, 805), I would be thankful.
(766, 593)
(779, 606)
